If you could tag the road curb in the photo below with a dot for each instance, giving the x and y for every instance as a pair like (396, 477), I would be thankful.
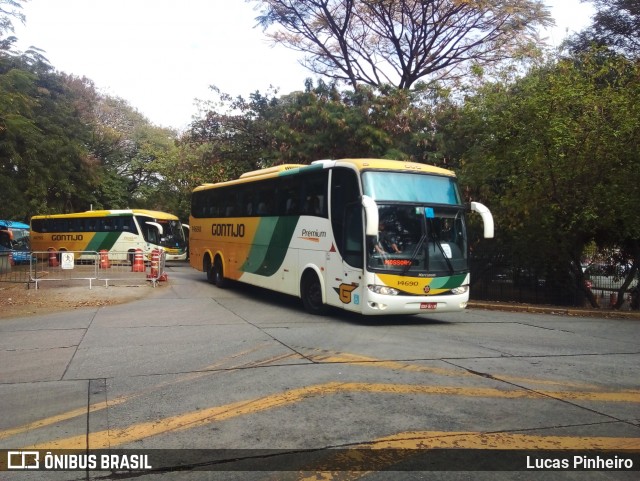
(554, 310)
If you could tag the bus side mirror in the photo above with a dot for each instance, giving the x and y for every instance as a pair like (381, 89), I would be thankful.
(371, 213)
(157, 226)
(487, 218)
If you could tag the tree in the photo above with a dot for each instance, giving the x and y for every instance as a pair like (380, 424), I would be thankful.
(132, 150)
(235, 135)
(64, 147)
(616, 24)
(398, 42)
(9, 10)
(44, 162)
(556, 156)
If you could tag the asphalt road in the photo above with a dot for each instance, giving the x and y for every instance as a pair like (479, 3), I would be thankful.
(196, 367)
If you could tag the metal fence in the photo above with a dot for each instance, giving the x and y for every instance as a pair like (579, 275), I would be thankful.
(86, 266)
(10, 271)
(527, 285)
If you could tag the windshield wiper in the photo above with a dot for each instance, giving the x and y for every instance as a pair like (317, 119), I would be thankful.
(437, 242)
(415, 254)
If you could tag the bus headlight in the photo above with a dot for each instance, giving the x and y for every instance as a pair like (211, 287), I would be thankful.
(384, 290)
(460, 290)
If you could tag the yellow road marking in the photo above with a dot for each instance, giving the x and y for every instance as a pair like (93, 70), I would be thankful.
(205, 371)
(194, 419)
(358, 360)
(476, 440)
(60, 417)
(418, 440)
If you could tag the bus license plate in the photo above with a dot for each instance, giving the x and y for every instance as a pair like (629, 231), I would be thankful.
(428, 305)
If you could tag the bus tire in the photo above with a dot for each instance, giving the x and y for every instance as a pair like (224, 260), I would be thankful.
(207, 268)
(217, 274)
(311, 294)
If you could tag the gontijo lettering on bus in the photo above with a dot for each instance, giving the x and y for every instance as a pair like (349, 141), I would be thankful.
(228, 230)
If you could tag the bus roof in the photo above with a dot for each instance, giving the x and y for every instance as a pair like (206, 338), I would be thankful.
(106, 213)
(396, 165)
(359, 164)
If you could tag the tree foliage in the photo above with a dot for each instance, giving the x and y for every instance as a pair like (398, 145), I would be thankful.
(10, 10)
(234, 135)
(616, 24)
(43, 161)
(64, 147)
(556, 155)
(398, 42)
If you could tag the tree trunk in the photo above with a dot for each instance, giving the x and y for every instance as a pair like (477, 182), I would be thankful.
(625, 285)
(581, 283)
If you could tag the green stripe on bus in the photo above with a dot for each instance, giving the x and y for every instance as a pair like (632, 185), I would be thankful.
(270, 245)
(301, 170)
(448, 282)
(103, 240)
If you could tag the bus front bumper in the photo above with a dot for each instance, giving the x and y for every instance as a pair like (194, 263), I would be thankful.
(381, 305)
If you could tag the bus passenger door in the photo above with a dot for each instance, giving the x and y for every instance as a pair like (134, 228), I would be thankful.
(345, 264)
(345, 261)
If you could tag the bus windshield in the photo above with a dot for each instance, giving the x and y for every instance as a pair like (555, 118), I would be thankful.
(172, 234)
(418, 240)
(18, 239)
(410, 187)
(21, 239)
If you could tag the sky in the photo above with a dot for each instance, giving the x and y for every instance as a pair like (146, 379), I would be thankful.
(162, 55)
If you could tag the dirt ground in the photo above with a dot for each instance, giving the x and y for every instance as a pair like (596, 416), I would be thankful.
(18, 301)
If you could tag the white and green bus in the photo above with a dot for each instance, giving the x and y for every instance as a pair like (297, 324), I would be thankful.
(117, 231)
(367, 235)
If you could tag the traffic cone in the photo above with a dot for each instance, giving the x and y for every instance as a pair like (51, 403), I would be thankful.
(104, 259)
(53, 258)
(155, 263)
(138, 262)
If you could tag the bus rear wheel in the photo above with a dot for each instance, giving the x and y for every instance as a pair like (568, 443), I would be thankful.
(311, 294)
(217, 273)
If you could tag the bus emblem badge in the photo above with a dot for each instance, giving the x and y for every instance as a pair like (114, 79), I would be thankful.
(427, 289)
(344, 292)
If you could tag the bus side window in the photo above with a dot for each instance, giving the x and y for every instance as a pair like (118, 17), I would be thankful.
(315, 199)
(267, 196)
(128, 225)
(249, 202)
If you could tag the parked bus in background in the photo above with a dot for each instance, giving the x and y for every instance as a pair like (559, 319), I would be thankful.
(367, 235)
(118, 231)
(14, 236)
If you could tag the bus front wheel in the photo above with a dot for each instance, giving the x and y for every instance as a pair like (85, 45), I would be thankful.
(311, 294)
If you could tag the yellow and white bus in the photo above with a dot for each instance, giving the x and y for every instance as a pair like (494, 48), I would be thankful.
(368, 235)
(121, 231)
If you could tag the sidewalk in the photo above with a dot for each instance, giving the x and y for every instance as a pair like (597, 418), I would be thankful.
(603, 313)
